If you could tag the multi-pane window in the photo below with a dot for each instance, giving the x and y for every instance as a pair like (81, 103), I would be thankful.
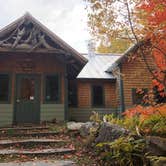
(4, 88)
(139, 96)
(52, 88)
(97, 95)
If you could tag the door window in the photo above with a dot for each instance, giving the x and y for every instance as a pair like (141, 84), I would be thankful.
(27, 89)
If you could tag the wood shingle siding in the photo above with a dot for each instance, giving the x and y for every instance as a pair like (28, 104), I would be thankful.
(85, 93)
(135, 75)
(110, 95)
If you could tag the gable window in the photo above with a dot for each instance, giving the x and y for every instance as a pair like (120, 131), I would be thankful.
(97, 95)
(139, 95)
(52, 88)
(4, 88)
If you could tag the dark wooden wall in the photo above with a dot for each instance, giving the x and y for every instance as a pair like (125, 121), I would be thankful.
(31, 63)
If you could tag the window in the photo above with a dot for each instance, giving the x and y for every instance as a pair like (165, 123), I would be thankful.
(157, 95)
(4, 88)
(52, 88)
(139, 95)
(97, 95)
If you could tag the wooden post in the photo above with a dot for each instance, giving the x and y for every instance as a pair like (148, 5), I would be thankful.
(66, 113)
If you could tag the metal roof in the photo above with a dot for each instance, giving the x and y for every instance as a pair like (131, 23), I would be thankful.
(97, 66)
(133, 48)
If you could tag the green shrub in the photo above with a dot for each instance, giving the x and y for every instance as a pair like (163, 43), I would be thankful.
(154, 125)
(95, 117)
(125, 151)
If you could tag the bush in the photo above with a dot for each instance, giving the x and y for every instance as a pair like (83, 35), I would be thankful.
(125, 151)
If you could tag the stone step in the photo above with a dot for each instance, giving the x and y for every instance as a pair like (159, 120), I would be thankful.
(23, 128)
(41, 163)
(30, 141)
(30, 134)
(36, 152)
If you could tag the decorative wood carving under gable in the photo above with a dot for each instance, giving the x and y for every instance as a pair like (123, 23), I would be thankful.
(28, 36)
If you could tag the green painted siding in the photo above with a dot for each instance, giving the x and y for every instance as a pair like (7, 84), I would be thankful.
(49, 112)
(6, 115)
(83, 114)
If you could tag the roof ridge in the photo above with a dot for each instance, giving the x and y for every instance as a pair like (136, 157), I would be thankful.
(104, 54)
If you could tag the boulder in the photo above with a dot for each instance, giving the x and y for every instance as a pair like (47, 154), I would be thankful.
(74, 125)
(156, 145)
(109, 132)
(87, 127)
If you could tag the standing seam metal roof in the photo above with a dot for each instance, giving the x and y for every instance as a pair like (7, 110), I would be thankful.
(97, 66)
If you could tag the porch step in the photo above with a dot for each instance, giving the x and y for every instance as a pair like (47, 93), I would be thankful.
(30, 141)
(40, 163)
(57, 151)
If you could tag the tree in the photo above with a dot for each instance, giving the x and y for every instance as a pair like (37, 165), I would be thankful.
(140, 21)
(116, 46)
(152, 15)
(108, 25)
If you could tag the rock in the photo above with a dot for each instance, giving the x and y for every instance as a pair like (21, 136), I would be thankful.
(87, 127)
(74, 125)
(157, 161)
(156, 145)
(109, 132)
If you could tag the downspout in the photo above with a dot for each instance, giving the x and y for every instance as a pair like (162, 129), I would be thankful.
(121, 91)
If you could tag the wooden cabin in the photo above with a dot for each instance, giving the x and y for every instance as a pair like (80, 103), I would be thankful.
(35, 67)
(42, 78)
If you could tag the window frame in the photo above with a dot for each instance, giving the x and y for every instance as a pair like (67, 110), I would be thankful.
(8, 101)
(133, 91)
(59, 87)
(92, 96)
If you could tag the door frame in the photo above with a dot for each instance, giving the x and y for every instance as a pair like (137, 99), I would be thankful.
(17, 75)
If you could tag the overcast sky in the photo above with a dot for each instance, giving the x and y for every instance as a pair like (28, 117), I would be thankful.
(66, 18)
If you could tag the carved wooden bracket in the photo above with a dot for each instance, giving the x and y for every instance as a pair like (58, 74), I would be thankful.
(27, 36)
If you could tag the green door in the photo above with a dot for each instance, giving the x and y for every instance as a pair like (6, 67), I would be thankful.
(27, 108)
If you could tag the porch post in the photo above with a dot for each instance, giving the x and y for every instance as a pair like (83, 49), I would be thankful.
(66, 113)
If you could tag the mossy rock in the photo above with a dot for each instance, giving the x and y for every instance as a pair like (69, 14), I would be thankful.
(156, 145)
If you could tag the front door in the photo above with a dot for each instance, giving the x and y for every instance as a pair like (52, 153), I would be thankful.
(27, 107)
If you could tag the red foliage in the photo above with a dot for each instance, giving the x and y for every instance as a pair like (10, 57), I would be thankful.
(145, 112)
(155, 29)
